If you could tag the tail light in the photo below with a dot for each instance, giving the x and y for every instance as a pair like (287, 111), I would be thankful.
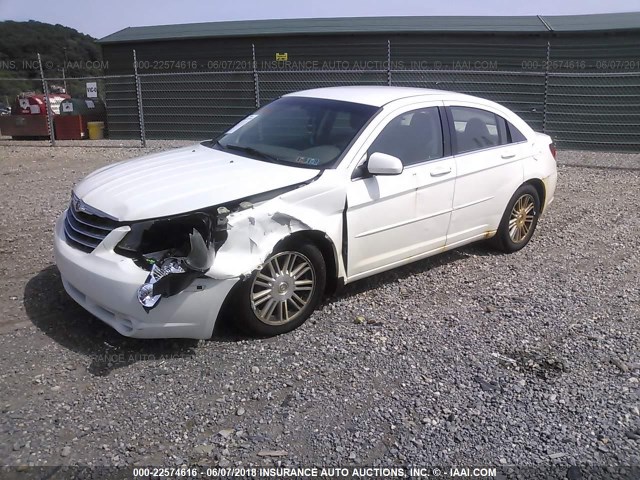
(553, 150)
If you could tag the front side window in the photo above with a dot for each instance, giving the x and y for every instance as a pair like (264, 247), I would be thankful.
(413, 137)
(476, 129)
(306, 132)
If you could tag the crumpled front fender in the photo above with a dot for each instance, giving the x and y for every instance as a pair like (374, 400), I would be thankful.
(253, 235)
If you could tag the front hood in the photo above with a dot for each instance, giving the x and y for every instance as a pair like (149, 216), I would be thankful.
(182, 180)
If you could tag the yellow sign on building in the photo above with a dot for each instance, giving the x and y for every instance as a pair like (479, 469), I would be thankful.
(282, 57)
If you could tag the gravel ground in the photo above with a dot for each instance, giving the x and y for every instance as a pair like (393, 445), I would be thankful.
(471, 357)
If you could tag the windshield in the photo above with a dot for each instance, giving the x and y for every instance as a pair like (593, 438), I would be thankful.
(309, 132)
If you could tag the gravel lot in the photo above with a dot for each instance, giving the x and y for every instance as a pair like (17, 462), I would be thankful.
(471, 357)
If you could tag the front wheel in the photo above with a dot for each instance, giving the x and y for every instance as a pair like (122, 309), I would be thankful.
(519, 220)
(284, 292)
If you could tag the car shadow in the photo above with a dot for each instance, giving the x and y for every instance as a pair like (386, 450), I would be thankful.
(59, 317)
(480, 249)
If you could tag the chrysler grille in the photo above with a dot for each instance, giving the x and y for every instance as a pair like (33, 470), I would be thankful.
(85, 231)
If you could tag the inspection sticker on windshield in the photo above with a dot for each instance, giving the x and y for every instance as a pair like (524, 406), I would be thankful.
(308, 160)
(241, 123)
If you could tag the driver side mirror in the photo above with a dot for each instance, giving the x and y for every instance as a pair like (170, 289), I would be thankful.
(383, 164)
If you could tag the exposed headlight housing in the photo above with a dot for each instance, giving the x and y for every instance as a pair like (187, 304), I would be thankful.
(171, 233)
(175, 251)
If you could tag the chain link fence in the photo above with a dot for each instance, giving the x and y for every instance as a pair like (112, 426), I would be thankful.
(594, 111)
(581, 110)
(522, 92)
(195, 106)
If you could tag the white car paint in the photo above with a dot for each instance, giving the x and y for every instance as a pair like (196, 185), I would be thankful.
(181, 180)
(390, 220)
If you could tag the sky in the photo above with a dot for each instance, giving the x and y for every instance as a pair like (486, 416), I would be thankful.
(100, 18)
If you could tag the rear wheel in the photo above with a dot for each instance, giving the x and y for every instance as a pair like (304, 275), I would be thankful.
(519, 220)
(284, 292)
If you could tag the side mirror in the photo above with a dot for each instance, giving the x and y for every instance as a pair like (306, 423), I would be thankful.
(383, 164)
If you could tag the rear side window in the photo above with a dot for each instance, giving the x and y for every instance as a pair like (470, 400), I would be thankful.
(477, 129)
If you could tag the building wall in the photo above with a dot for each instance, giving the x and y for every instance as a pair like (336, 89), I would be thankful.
(583, 88)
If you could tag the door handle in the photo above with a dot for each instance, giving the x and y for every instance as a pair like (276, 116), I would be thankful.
(508, 155)
(438, 172)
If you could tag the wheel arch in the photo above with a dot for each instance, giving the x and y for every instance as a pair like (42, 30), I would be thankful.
(326, 247)
(540, 188)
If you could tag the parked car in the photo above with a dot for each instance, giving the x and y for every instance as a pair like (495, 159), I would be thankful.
(317, 189)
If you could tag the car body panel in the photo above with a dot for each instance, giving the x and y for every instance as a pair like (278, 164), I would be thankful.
(485, 182)
(390, 218)
(182, 180)
(253, 233)
(542, 167)
(105, 284)
(380, 220)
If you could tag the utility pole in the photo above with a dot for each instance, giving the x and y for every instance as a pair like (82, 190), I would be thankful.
(64, 66)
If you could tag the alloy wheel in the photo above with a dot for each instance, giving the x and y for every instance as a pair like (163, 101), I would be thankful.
(521, 219)
(283, 288)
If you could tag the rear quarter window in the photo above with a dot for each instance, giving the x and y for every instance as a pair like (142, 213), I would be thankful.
(515, 135)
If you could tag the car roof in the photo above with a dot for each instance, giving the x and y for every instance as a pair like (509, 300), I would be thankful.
(377, 96)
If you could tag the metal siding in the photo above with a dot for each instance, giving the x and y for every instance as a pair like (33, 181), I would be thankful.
(583, 111)
(123, 122)
(595, 52)
(211, 54)
(589, 112)
(323, 52)
(522, 93)
(463, 51)
(209, 103)
(276, 84)
(594, 96)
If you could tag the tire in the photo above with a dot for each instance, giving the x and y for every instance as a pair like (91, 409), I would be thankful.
(283, 293)
(519, 220)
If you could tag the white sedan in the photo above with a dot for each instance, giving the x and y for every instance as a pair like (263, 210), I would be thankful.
(315, 190)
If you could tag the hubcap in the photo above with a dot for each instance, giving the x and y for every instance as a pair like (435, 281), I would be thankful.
(282, 288)
(521, 218)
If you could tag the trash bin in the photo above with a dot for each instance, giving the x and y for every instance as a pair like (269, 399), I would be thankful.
(82, 106)
(30, 103)
(75, 114)
(96, 130)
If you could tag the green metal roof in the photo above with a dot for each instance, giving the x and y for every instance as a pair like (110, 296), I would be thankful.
(346, 25)
(589, 23)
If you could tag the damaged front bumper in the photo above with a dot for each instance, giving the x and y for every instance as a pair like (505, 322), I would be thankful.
(107, 285)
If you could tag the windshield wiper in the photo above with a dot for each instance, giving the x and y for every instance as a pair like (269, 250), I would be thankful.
(250, 151)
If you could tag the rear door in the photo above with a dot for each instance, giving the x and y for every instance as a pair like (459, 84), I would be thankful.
(489, 170)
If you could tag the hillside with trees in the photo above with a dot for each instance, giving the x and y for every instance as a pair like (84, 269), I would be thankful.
(60, 48)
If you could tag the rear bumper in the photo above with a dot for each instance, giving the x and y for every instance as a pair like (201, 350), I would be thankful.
(105, 284)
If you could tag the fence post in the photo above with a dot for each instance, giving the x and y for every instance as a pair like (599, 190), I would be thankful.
(256, 80)
(546, 88)
(47, 103)
(389, 62)
(143, 136)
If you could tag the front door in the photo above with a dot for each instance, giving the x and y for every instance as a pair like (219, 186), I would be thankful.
(394, 219)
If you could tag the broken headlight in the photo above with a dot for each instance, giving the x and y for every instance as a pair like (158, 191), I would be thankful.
(171, 275)
(174, 250)
(165, 234)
